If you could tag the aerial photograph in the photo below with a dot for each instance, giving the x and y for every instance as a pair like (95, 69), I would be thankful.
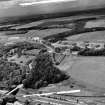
(52, 52)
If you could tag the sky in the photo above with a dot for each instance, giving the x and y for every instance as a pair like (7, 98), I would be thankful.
(27, 7)
(9, 3)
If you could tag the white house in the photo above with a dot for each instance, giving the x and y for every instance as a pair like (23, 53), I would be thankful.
(37, 39)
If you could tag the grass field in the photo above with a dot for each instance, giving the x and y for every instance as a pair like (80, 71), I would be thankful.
(89, 72)
(91, 36)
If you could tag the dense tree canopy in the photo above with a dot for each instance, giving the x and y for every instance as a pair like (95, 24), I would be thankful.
(10, 74)
(43, 73)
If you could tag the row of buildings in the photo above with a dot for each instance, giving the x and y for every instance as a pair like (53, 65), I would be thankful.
(71, 47)
(81, 44)
(91, 45)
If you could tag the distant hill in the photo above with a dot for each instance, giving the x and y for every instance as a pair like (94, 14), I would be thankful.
(31, 18)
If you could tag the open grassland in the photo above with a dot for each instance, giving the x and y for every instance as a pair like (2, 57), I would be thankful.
(91, 36)
(89, 72)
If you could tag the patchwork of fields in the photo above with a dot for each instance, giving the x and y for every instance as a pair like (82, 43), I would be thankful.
(86, 73)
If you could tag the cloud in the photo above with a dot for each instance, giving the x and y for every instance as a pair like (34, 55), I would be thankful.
(43, 2)
(8, 3)
(5, 0)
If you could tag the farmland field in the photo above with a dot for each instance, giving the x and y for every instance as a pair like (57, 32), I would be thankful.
(87, 70)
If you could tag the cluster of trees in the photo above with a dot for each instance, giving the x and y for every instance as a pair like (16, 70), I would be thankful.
(18, 48)
(43, 73)
(23, 45)
(10, 74)
(92, 52)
